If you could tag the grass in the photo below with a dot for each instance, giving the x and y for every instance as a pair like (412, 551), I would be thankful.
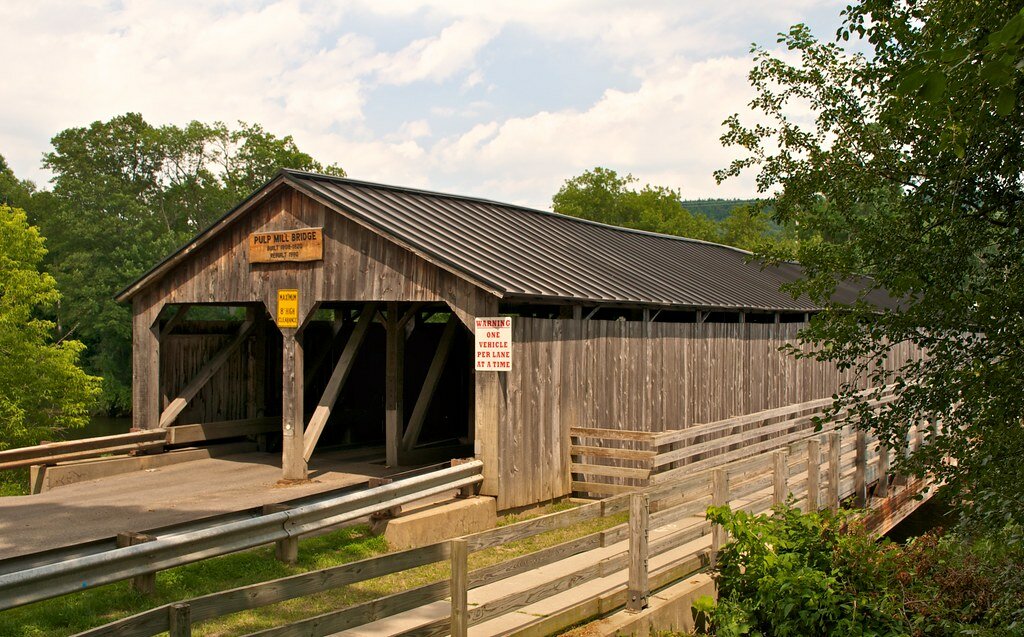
(74, 613)
(13, 482)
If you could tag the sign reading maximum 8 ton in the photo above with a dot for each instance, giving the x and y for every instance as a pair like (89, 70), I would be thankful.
(493, 338)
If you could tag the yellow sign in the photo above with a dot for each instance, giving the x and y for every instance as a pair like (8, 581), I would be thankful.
(288, 308)
(304, 244)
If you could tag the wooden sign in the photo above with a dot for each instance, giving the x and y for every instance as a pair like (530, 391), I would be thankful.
(304, 244)
(288, 309)
(493, 338)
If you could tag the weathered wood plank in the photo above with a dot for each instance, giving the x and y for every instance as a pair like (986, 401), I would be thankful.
(205, 374)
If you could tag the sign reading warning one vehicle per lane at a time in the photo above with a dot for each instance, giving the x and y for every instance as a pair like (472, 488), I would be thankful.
(493, 338)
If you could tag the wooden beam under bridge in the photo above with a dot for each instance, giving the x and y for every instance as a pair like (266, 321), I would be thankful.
(419, 410)
(318, 421)
(207, 372)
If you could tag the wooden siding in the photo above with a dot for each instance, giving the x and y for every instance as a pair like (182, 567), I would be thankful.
(636, 376)
(358, 265)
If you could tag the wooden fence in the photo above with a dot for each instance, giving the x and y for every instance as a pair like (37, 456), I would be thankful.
(612, 461)
(816, 470)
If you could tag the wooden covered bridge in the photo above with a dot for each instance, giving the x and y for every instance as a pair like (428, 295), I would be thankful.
(351, 312)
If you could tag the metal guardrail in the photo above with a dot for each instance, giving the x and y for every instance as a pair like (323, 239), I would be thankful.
(88, 571)
(92, 547)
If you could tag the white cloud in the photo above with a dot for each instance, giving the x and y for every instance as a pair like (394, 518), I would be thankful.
(441, 57)
(303, 69)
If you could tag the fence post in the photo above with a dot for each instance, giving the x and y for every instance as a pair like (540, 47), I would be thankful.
(882, 484)
(145, 583)
(780, 474)
(179, 620)
(813, 474)
(719, 497)
(860, 470)
(460, 588)
(834, 446)
(286, 550)
(639, 519)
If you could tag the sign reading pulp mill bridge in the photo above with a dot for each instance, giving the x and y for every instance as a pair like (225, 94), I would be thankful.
(304, 244)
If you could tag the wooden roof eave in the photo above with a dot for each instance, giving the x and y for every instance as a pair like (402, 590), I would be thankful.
(260, 195)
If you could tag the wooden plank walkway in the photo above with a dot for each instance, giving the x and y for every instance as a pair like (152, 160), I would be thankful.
(169, 495)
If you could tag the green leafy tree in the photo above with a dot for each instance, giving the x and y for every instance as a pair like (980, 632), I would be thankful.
(908, 169)
(125, 194)
(42, 388)
(602, 195)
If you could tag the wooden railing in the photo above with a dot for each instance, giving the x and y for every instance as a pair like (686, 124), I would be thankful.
(662, 518)
(149, 441)
(614, 461)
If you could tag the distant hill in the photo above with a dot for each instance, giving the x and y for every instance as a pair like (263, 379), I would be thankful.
(715, 209)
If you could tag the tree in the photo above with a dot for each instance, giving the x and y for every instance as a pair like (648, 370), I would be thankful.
(602, 195)
(42, 388)
(909, 170)
(125, 194)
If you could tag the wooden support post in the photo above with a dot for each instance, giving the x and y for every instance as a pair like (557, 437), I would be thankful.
(419, 410)
(860, 470)
(212, 366)
(882, 484)
(780, 476)
(394, 376)
(293, 460)
(719, 497)
(145, 367)
(813, 474)
(286, 550)
(341, 372)
(834, 443)
(639, 522)
(179, 620)
(145, 583)
(460, 588)
(900, 479)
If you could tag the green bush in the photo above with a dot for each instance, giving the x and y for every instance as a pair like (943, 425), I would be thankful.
(791, 573)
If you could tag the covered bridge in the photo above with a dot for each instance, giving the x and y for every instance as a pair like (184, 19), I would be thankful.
(353, 316)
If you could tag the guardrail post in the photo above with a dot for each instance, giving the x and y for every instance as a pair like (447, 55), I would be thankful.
(882, 483)
(860, 470)
(286, 550)
(460, 588)
(719, 497)
(639, 520)
(834, 448)
(470, 490)
(813, 474)
(780, 474)
(145, 583)
(179, 620)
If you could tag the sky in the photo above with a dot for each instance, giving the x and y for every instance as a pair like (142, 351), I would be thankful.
(503, 100)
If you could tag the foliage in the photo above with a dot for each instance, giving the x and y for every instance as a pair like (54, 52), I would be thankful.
(42, 389)
(125, 194)
(603, 195)
(905, 165)
(791, 573)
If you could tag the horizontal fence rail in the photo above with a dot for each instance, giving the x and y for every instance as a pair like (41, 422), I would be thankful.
(613, 461)
(149, 441)
(51, 580)
(814, 471)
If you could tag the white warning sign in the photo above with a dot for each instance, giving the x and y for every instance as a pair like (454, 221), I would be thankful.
(493, 344)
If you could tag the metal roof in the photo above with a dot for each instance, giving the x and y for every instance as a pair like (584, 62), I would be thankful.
(522, 253)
